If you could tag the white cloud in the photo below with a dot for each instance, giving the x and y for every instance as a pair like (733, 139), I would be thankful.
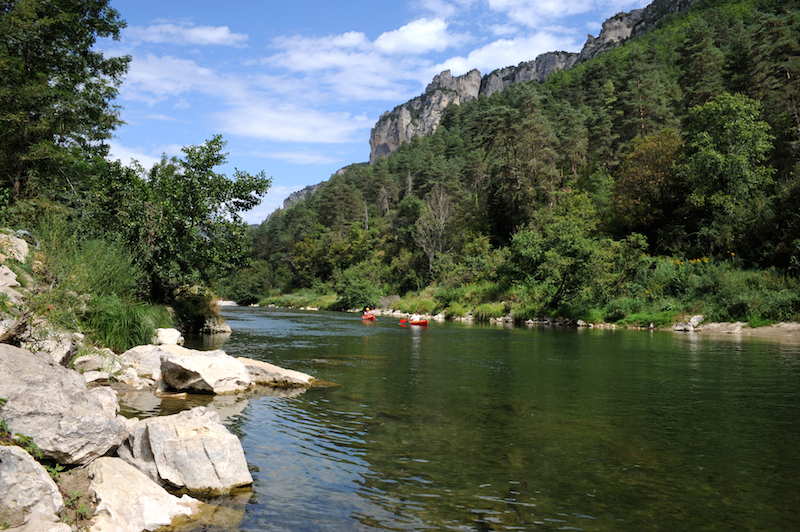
(534, 13)
(506, 52)
(288, 123)
(295, 157)
(152, 79)
(185, 34)
(127, 155)
(418, 37)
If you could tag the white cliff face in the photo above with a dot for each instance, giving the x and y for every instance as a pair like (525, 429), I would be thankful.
(422, 115)
(417, 117)
(537, 70)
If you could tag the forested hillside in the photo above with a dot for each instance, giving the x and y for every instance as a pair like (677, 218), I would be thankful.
(660, 178)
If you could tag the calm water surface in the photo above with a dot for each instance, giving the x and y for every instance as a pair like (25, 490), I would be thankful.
(483, 427)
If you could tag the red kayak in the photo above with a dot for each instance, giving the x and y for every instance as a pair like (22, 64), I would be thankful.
(368, 317)
(422, 323)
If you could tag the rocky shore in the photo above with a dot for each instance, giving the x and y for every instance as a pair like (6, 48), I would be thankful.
(70, 461)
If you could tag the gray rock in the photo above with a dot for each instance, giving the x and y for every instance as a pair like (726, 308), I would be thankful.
(108, 398)
(144, 359)
(27, 490)
(168, 337)
(268, 374)
(129, 501)
(53, 405)
(191, 450)
(38, 524)
(696, 321)
(203, 371)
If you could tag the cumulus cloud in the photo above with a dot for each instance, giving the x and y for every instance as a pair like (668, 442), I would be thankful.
(185, 34)
(534, 13)
(151, 79)
(290, 123)
(419, 37)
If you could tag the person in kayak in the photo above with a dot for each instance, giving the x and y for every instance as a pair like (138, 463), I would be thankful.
(415, 317)
(367, 314)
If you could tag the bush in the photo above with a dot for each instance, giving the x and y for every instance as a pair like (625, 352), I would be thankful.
(488, 311)
(619, 308)
(456, 310)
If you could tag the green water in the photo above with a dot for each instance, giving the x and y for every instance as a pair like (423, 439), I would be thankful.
(484, 427)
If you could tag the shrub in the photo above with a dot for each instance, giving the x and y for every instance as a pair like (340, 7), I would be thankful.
(456, 310)
(489, 310)
(619, 308)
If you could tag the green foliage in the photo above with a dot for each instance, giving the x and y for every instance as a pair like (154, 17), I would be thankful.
(184, 220)
(54, 471)
(456, 310)
(728, 170)
(488, 311)
(56, 92)
(357, 287)
(121, 325)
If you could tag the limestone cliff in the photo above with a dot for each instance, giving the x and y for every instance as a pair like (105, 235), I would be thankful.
(422, 115)
(300, 195)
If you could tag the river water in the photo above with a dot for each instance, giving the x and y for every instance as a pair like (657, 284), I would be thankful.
(490, 427)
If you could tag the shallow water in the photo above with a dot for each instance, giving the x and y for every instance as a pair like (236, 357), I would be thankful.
(486, 427)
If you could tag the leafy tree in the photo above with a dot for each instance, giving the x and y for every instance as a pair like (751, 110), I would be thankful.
(56, 92)
(647, 185)
(183, 220)
(558, 256)
(728, 171)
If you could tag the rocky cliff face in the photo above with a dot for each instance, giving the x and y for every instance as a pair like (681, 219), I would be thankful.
(422, 115)
(300, 195)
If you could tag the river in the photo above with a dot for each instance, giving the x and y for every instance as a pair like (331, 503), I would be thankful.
(488, 427)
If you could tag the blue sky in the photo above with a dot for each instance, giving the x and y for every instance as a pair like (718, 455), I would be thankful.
(294, 87)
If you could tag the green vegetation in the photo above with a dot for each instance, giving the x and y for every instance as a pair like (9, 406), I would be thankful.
(657, 180)
(118, 244)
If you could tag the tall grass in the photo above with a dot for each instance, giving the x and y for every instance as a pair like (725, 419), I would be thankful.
(90, 285)
(120, 325)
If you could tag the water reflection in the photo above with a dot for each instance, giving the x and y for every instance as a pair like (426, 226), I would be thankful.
(479, 427)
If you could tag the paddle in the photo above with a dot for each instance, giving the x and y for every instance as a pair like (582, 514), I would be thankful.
(403, 320)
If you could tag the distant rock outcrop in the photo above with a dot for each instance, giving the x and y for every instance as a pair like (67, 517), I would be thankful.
(537, 70)
(422, 115)
(300, 195)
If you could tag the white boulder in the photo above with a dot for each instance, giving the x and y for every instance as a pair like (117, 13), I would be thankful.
(203, 371)
(168, 337)
(53, 405)
(27, 490)
(129, 501)
(191, 450)
(144, 359)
